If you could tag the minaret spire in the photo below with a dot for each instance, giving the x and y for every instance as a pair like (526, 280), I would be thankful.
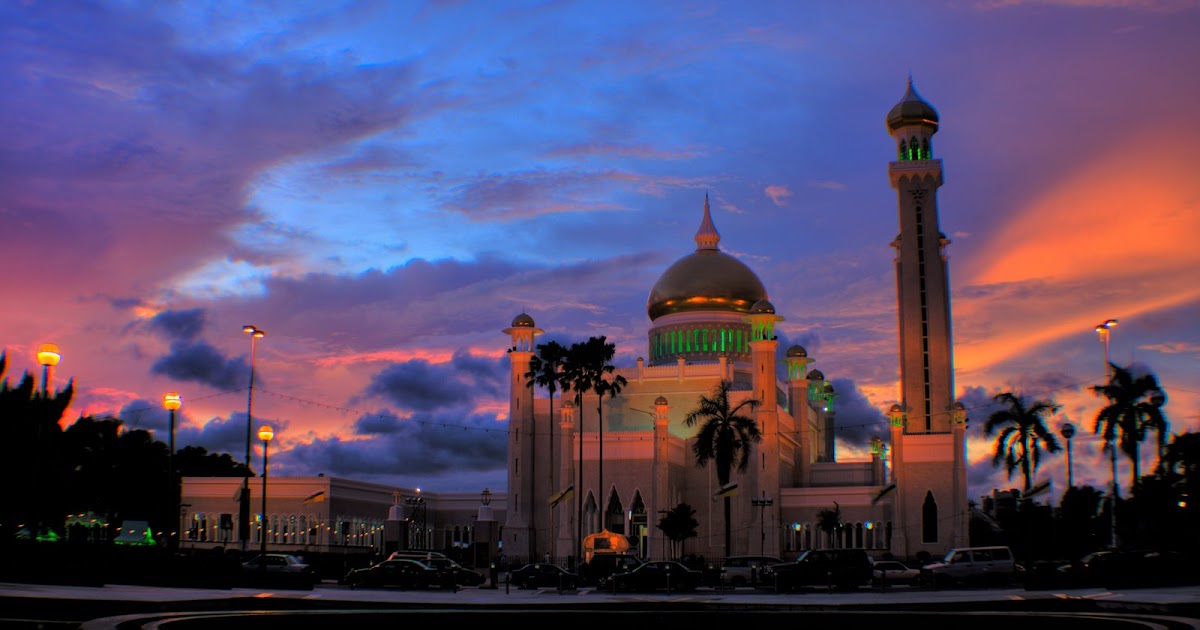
(707, 236)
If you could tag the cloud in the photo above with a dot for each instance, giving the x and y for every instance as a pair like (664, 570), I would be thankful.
(1173, 347)
(419, 385)
(827, 184)
(202, 363)
(421, 445)
(778, 194)
(857, 419)
(183, 325)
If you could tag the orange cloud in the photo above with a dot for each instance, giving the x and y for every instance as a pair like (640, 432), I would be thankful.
(1115, 239)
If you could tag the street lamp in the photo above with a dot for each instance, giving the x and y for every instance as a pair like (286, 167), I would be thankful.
(172, 402)
(48, 356)
(244, 502)
(418, 507)
(762, 503)
(1105, 331)
(1068, 431)
(265, 434)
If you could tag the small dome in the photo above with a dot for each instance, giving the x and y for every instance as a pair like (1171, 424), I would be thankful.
(522, 321)
(816, 375)
(828, 388)
(895, 409)
(661, 400)
(912, 110)
(958, 406)
(568, 404)
(797, 352)
(762, 307)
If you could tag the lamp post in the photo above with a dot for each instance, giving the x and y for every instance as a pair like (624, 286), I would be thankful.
(244, 502)
(48, 356)
(1105, 331)
(265, 434)
(762, 503)
(1068, 431)
(418, 507)
(172, 402)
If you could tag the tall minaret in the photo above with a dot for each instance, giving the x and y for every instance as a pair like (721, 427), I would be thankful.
(520, 529)
(930, 458)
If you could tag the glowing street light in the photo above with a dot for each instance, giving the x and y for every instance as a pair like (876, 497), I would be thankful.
(244, 504)
(1105, 332)
(172, 402)
(265, 434)
(49, 357)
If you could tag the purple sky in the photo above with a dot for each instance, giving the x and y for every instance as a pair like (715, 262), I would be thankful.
(382, 186)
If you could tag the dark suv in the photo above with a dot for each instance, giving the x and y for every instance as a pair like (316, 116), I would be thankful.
(827, 568)
(602, 565)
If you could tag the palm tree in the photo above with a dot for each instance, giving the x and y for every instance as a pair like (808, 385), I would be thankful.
(596, 356)
(573, 378)
(1022, 434)
(1134, 407)
(678, 524)
(543, 371)
(579, 376)
(829, 521)
(725, 437)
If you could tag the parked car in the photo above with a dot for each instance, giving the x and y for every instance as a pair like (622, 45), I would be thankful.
(603, 565)
(656, 575)
(746, 570)
(543, 575)
(845, 569)
(462, 575)
(282, 569)
(417, 555)
(971, 566)
(893, 572)
(404, 573)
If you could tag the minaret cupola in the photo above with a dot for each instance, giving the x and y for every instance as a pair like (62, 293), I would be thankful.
(912, 122)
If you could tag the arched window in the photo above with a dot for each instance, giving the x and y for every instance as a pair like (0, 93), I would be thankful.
(925, 152)
(903, 150)
(929, 519)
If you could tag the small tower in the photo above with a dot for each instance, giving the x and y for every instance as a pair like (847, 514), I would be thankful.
(520, 533)
(765, 479)
(797, 361)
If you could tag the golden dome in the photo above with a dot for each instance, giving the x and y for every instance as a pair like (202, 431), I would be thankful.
(912, 110)
(522, 321)
(705, 280)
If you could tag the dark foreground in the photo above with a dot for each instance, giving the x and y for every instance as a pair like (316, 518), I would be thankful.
(331, 606)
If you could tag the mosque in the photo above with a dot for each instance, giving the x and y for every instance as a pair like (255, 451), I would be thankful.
(579, 480)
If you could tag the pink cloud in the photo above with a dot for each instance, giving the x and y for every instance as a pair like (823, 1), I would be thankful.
(778, 194)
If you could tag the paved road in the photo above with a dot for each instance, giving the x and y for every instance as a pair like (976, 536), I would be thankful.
(124, 607)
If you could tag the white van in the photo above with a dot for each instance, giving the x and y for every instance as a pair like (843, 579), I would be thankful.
(967, 565)
(746, 570)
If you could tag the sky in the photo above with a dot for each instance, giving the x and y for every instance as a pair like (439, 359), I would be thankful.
(382, 186)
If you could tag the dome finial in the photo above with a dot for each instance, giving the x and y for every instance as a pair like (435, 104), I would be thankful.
(707, 236)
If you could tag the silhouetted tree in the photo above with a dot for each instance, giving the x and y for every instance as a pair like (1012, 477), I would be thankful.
(1022, 432)
(829, 522)
(677, 525)
(1134, 408)
(725, 436)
